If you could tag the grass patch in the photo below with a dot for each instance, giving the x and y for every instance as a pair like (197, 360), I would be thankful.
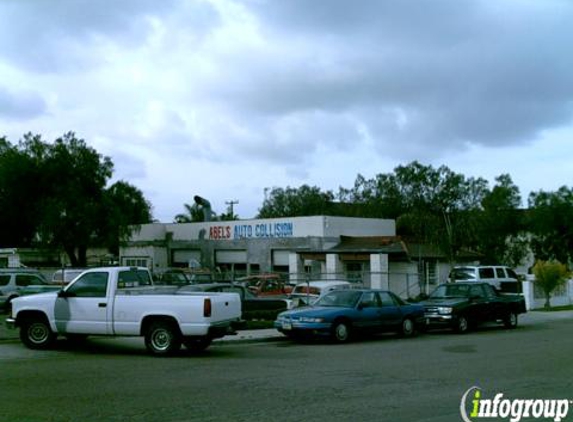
(555, 308)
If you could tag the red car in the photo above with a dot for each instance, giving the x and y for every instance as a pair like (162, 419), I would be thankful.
(266, 285)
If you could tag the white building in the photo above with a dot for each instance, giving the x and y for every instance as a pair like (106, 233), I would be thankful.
(296, 246)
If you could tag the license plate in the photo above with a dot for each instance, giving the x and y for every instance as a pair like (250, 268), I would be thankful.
(287, 325)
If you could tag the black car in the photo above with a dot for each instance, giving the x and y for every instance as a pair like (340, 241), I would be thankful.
(254, 307)
(462, 306)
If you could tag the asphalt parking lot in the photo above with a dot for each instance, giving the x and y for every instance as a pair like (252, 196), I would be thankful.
(386, 377)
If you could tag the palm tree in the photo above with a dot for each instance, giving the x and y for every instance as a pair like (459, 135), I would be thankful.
(192, 214)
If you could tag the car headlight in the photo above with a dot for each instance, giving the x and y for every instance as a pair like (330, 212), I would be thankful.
(443, 310)
(310, 319)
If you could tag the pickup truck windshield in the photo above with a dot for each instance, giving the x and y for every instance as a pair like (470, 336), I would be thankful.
(450, 290)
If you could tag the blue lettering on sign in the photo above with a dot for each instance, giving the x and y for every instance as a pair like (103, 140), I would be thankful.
(243, 231)
(268, 230)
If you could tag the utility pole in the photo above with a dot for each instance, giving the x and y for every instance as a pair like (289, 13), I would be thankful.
(231, 203)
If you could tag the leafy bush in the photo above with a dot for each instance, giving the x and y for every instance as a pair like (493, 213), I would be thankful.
(549, 275)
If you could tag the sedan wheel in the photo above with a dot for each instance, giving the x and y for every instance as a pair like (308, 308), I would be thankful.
(408, 327)
(341, 332)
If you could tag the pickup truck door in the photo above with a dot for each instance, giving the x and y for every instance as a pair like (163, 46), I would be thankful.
(497, 309)
(83, 307)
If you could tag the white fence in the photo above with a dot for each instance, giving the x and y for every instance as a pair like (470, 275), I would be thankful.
(535, 298)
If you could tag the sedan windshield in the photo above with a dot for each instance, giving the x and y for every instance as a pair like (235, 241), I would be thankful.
(450, 290)
(340, 298)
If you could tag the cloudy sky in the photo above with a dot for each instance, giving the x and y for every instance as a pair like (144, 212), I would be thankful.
(223, 98)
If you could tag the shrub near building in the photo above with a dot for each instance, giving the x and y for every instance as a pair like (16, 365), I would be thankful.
(548, 276)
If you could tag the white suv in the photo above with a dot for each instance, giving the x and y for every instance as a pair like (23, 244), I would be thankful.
(501, 277)
(13, 280)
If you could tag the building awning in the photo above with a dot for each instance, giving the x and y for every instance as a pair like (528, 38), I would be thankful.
(360, 248)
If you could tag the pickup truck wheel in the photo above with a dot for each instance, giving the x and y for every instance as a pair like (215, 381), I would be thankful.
(37, 334)
(462, 325)
(162, 339)
(408, 328)
(197, 344)
(510, 320)
(341, 331)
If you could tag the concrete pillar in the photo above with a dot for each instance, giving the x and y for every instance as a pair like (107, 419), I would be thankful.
(295, 268)
(528, 294)
(379, 271)
(334, 268)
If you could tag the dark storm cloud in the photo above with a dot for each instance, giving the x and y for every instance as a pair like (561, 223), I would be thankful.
(440, 73)
(20, 105)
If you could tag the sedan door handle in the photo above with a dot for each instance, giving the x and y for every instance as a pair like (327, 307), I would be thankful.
(102, 305)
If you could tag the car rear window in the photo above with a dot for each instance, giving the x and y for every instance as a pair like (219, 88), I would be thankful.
(4, 280)
(134, 278)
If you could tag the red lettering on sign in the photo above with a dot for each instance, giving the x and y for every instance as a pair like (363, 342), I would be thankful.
(220, 232)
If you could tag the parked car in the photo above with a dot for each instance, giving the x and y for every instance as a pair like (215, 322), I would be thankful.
(253, 307)
(306, 293)
(266, 284)
(340, 314)
(172, 277)
(65, 275)
(461, 306)
(14, 280)
(501, 277)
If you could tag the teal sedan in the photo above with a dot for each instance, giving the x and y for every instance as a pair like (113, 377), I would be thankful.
(342, 314)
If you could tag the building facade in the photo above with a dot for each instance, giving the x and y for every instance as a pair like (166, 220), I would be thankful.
(297, 246)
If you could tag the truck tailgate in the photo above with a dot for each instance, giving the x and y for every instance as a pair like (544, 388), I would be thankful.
(224, 306)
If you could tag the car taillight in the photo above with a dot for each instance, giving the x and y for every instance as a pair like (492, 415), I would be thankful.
(207, 308)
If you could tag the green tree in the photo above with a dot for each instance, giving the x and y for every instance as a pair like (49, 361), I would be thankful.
(431, 205)
(551, 224)
(192, 214)
(124, 207)
(296, 202)
(549, 275)
(20, 185)
(61, 200)
(501, 226)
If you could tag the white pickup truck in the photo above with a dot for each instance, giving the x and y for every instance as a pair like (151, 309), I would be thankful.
(122, 301)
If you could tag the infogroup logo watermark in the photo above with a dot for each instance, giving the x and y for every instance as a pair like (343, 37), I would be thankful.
(474, 406)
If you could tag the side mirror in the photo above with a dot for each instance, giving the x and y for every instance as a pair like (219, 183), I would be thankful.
(64, 294)
(360, 306)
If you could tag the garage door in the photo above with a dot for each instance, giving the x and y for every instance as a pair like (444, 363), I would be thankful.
(184, 256)
(231, 257)
(281, 258)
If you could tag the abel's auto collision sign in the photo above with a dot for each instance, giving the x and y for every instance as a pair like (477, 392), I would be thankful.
(253, 230)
